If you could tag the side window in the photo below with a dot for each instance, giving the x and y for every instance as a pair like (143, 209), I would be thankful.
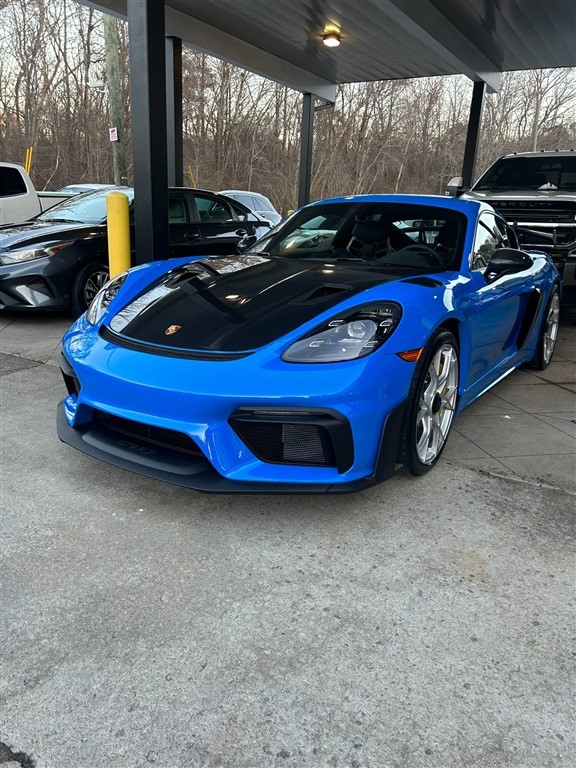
(490, 234)
(241, 214)
(503, 229)
(512, 238)
(177, 209)
(265, 204)
(244, 199)
(11, 182)
(210, 209)
(509, 239)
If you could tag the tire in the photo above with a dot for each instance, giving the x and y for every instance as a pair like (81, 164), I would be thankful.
(86, 284)
(548, 332)
(433, 396)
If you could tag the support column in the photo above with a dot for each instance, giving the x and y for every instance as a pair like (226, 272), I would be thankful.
(174, 111)
(306, 146)
(473, 134)
(148, 96)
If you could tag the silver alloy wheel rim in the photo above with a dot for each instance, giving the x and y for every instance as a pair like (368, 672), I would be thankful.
(437, 404)
(93, 284)
(551, 329)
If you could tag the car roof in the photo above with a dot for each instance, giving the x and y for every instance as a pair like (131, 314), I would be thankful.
(242, 192)
(545, 152)
(87, 186)
(435, 201)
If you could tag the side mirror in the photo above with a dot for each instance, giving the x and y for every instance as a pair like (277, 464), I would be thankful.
(454, 187)
(506, 261)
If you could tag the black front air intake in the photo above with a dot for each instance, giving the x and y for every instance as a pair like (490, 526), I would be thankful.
(305, 438)
(166, 438)
(70, 379)
(287, 443)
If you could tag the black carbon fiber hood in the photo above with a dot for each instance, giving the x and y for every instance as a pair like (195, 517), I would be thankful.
(238, 303)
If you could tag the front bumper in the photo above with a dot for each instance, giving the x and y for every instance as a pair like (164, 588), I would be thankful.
(197, 473)
(32, 285)
(211, 403)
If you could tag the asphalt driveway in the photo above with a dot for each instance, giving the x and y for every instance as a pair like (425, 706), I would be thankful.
(424, 622)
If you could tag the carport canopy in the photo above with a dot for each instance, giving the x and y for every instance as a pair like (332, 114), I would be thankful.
(283, 40)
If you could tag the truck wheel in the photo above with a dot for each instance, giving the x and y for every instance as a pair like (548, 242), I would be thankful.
(86, 285)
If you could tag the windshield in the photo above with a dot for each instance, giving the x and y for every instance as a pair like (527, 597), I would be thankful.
(379, 233)
(545, 173)
(89, 208)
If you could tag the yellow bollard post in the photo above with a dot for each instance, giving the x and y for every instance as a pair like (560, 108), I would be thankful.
(118, 232)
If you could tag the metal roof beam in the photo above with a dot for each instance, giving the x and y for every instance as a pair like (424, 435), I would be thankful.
(436, 32)
(217, 43)
(204, 37)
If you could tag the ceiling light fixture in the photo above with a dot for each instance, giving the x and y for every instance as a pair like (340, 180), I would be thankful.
(331, 37)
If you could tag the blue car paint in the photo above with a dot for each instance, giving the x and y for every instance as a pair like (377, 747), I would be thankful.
(111, 379)
(197, 398)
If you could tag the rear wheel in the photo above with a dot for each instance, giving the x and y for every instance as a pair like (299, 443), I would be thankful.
(433, 396)
(86, 285)
(548, 332)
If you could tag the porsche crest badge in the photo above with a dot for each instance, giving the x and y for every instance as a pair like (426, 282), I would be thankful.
(172, 329)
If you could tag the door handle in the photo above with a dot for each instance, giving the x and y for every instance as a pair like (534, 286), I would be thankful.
(191, 235)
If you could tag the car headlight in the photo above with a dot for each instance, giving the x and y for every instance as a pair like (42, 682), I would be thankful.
(28, 254)
(104, 297)
(348, 336)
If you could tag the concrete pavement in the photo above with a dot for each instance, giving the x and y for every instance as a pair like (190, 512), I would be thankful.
(424, 622)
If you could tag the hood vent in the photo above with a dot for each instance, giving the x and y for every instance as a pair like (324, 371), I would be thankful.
(427, 282)
(325, 291)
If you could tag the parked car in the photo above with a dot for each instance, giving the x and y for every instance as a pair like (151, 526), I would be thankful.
(59, 260)
(77, 189)
(333, 351)
(256, 202)
(536, 193)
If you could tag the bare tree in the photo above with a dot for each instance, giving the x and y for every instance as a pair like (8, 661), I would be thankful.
(243, 131)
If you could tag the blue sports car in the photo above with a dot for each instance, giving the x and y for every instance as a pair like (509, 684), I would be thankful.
(336, 350)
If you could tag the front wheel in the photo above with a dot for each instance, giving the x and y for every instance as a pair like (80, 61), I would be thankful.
(86, 285)
(433, 396)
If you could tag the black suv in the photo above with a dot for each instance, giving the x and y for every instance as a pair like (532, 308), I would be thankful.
(59, 259)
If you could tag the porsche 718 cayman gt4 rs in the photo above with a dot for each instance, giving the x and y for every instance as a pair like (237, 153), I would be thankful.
(339, 348)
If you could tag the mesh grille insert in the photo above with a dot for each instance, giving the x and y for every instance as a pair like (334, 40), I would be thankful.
(282, 443)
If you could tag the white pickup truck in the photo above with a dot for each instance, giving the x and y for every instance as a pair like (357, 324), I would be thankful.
(19, 201)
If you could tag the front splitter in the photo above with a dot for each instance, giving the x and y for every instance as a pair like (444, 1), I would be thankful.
(188, 471)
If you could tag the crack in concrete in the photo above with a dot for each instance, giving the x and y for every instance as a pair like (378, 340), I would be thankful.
(7, 755)
(525, 481)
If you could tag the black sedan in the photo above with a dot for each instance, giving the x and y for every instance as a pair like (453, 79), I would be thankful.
(59, 259)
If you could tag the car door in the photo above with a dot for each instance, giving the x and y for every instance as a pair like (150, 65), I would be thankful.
(497, 306)
(220, 227)
(184, 228)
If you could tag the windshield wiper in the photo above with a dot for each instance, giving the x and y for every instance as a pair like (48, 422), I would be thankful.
(64, 221)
